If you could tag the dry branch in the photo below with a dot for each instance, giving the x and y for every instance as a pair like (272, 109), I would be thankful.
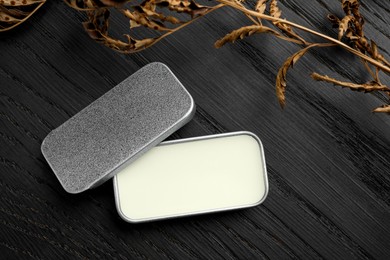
(148, 16)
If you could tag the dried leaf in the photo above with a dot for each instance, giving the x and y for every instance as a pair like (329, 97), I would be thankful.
(6, 17)
(349, 34)
(140, 18)
(274, 9)
(366, 87)
(133, 45)
(350, 6)
(346, 5)
(149, 10)
(285, 28)
(374, 50)
(133, 24)
(110, 3)
(184, 6)
(15, 12)
(143, 44)
(343, 25)
(88, 5)
(351, 27)
(243, 32)
(82, 5)
(261, 5)
(368, 68)
(282, 73)
(334, 20)
(382, 109)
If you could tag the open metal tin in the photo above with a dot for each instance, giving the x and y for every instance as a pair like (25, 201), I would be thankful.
(116, 129)
(193, 176)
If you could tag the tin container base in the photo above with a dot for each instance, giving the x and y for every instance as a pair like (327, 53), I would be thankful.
(193, 176)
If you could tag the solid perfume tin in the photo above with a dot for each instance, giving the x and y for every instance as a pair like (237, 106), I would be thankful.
(116, 129)
(193, 176)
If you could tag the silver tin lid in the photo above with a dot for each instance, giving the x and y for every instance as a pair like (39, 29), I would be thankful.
(113, 131)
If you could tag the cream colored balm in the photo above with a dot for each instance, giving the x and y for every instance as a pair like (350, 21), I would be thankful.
(193, 176)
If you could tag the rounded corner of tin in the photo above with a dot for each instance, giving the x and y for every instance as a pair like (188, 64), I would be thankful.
(265, 194)
(70, 190)
(46, 154)
(45, 143)
(253, 135)
(191, 110)
(157, 64)
(73, 189)
(118, 207)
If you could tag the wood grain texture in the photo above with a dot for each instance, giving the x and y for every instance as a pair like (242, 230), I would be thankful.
(327, 154)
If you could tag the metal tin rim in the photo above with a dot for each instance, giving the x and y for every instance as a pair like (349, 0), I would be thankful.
(266, 185)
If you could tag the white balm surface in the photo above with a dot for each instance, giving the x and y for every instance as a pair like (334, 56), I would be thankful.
(193, 176)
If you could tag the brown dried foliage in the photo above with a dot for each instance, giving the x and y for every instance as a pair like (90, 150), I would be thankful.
(351, 28)
(285, 28)
(15, 12)
(148, 15)
(382, 109)
(366, 87)
(281, 82)
(261, 5)
(153, 15)
(243, 32)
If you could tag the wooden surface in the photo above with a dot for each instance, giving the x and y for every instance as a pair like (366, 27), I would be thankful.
(327, 154)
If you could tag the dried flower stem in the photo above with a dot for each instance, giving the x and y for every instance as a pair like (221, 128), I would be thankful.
(185, 24)
(146, 15)
(156, 40)
(368, 87)
(274, 19)
(382, 109)
(281, 82)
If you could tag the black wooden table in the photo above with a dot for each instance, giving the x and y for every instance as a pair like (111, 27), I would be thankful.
(327, 154)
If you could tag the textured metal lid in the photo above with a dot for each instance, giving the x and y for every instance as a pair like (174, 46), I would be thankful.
(137, 114)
